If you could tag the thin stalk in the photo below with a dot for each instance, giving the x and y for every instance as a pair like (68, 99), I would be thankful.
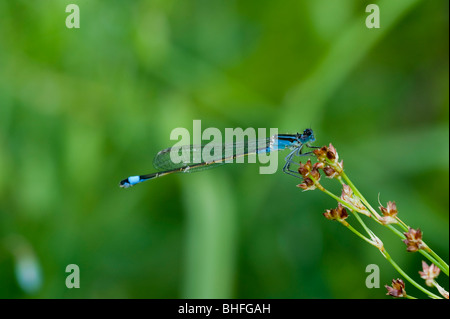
(357, 192)
(431, 255)
(367, 229)
(402, 224)
(338, 199)
(440, 261)
(357, 233)
(395, 231)
(389, 258)
(415, 284)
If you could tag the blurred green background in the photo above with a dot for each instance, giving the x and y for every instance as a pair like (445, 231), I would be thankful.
(81, 109)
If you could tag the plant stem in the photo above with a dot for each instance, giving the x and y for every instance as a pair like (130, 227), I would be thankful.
(439, 261)
(326, 191)
(431, 256)
(415, 284)
(357, 233)
(367, 229)
(356, 191)
(374, 240)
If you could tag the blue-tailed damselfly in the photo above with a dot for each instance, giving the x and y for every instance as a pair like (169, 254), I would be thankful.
(166, 166)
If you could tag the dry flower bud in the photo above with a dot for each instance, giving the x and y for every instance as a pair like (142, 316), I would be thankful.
(315, 174)
(329, 172)
(429, 273)
(397, 289)
(310, 175)
(349, 197)
(339, 213)
(307, 185)
(389, 212)
(330, 158)
(321, 153)
(318, 165)
(413, 240)
(304, 169)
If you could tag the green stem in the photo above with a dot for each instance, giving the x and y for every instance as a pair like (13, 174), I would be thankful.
(434, 258)
(402, 224)
(357, 233)
(367, 229)
(440, 262)
(388, 257)
(430, 255)
(338, 199)
(356, 191)
(415, 284)
(352, 209)
(437, 261)
(395, 231)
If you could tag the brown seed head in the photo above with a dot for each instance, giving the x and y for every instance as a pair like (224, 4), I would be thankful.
(329, 172)
(397, 289)
(304, 169)
(389, 212)
(413, 240)
(339, 213)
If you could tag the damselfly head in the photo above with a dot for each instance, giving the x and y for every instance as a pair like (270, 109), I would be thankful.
(124, 183)
(308, 135)
(307, 132)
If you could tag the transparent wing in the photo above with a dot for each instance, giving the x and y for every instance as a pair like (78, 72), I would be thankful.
(200, 157)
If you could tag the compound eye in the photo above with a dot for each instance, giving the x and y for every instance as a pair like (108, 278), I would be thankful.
(307, 132)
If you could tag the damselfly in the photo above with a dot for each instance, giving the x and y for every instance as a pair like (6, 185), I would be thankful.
(163, 161)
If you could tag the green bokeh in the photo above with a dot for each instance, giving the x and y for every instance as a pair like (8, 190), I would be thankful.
(80, 109)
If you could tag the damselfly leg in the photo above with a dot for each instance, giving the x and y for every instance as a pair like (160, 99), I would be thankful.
(288, 159)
